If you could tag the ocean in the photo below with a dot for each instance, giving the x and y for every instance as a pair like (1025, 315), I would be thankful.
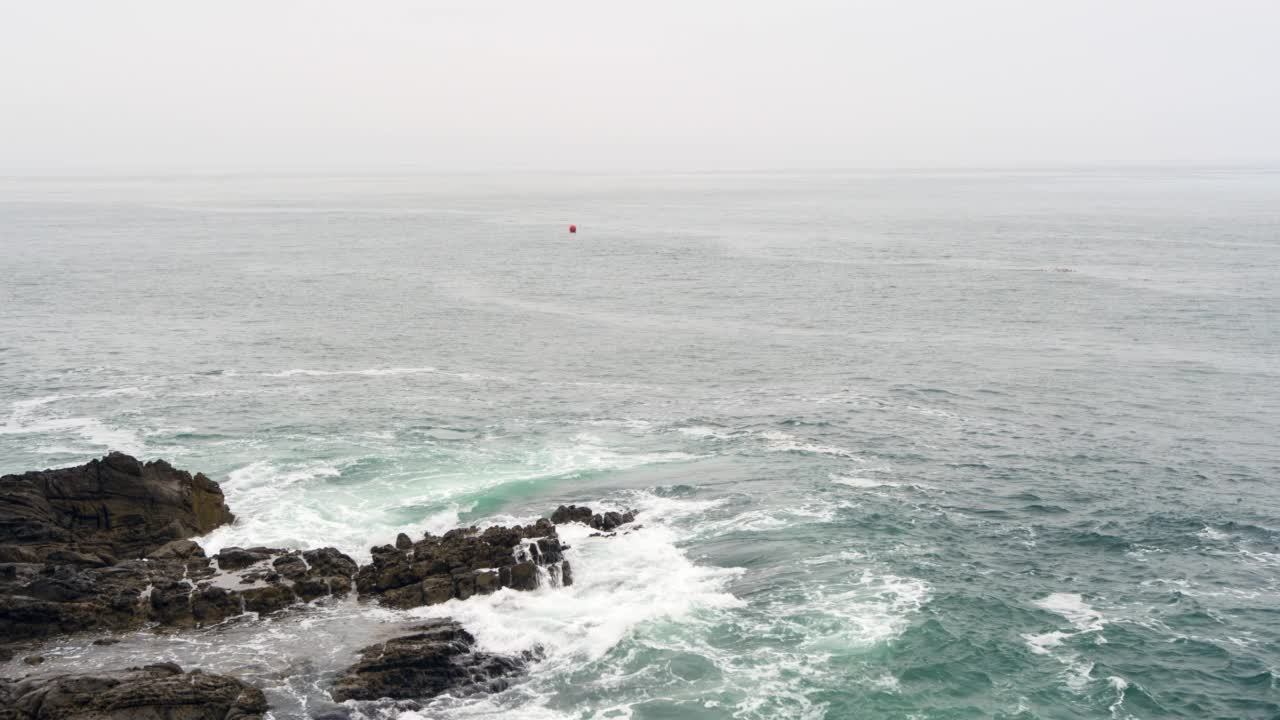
(904, 444)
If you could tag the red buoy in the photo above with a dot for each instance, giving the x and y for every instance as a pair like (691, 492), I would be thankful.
(573, 228)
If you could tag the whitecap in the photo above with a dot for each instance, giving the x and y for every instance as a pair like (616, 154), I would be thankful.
(619, 582)
(778, 441)
(1212, 534)
(369, 372)
(862, 482)
(1085, 619)
(1073, 607)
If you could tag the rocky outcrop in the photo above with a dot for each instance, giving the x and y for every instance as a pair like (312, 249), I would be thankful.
(462, 563)
(104, 546)
(154, 692)
(104, 510)
(604, 522)
(177, 586)
(439, 656)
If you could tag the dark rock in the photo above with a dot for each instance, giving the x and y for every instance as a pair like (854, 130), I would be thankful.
(403, 542)
(599, 521)
(438, 657)
(290, 566)
(155, 692)
(461, 563)
(268, 599)
(33, 660)
(236, 558)
(181, 549)
(486, 582)
(572, 513)
(71, 543)
(115, 506)
(106, 641)
(328, 562)
(524, 576)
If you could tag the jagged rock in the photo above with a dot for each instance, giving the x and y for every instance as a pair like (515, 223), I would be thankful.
(438, 657)
(116, 507)
(461, 563)
(155, 692)
(599, 521)
(571, 513)
(44, 600)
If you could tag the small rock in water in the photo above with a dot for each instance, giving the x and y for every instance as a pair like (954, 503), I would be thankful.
(600, 521)
(438, 657)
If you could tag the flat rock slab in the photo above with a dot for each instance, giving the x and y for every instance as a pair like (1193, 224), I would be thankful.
(155, 692)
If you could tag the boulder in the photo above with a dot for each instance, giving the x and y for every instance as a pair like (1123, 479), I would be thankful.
(116, 507)
(439, 656)
(155, 692)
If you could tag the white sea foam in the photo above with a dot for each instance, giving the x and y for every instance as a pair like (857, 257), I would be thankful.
(619, 583)
(764, 519)
(368, 372)
(28, 418)
(92, 430)
(777, 441)
(1073, 607)
(873, 609)
(1120, 685)
(1085, 619)
(711, 433)
(265, 496)
(862, 482)
(299, 506)
(1212, 534)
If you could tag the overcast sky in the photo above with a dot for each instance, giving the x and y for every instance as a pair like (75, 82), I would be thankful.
(652, 85)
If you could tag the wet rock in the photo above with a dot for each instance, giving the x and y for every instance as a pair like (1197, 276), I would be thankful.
(179, 549)
(155, 692)
(237, 558)
(328, 562)
(43, 600)
(115, 507)
(571, 513)
(403, 542)
(33, 660)
(461, 563)
(600, 521)
(524, 576)
(290, 566)
(438, 657)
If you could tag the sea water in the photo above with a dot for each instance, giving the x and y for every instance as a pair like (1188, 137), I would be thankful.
(903, 445)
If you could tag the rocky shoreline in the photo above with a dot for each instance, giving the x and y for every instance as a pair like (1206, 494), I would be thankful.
(105, 547)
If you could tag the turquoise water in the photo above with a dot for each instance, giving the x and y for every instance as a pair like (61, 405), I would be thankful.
(893, 460)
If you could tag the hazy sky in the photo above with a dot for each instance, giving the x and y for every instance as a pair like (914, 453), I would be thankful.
(595, 85)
